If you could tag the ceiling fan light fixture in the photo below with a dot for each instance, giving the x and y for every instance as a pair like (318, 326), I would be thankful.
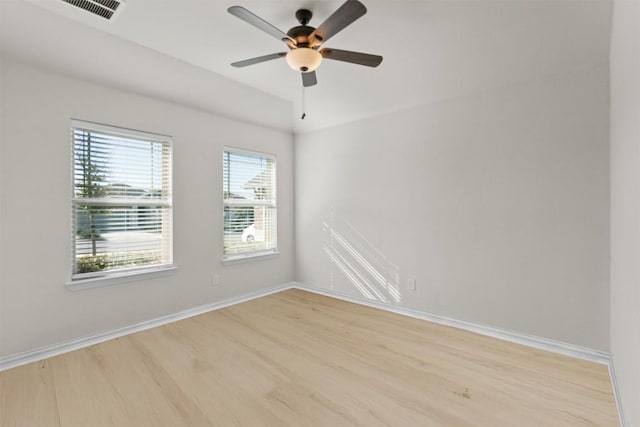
(304, 59)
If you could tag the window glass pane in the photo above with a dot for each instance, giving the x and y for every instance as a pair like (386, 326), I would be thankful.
(117, 167)
(111, 238)
(258, 236)
(248, 177)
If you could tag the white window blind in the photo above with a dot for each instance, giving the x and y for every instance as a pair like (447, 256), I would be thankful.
(249, 195)
(122, 208)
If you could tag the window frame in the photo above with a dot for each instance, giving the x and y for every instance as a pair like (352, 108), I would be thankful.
(121, 275)
(262, 253)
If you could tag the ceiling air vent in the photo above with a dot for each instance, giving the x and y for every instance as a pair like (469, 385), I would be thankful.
(103, 8)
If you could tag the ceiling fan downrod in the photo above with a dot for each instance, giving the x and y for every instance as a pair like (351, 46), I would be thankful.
(304, 16)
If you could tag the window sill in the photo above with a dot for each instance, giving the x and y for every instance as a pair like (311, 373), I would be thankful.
(116, 279)
(241, 259)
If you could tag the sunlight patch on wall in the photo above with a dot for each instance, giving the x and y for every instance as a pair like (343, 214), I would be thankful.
(360, 262)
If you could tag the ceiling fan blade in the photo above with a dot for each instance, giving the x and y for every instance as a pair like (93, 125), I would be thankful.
(256, 21)
(309, 79)
(259, 59)
(341, 18)
(353, 57)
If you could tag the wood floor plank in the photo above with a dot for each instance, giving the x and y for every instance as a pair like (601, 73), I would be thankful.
(301, 359)
(27, 387)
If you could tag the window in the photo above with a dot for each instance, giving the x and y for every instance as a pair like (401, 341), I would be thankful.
(121, 213)
(249, 194)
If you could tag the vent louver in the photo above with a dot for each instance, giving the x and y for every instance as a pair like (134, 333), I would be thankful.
(103, 8)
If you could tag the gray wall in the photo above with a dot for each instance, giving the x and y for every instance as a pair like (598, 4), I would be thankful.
(35, 307)
(625, 204)
(497, 204)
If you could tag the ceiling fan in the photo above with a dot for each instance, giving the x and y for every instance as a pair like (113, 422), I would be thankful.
(304, 41)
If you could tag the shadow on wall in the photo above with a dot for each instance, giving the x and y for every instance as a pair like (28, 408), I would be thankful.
(361, 263)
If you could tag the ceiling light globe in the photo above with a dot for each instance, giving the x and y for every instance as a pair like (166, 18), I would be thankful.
(304, 59)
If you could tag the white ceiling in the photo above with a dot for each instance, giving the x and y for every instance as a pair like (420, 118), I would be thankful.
(433, 50)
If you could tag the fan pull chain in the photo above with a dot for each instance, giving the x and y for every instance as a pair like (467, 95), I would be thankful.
(303, 105)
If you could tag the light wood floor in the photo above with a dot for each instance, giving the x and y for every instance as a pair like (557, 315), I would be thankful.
(300, 359)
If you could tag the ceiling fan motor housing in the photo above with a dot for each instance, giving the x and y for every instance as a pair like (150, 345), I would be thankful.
(301, 35)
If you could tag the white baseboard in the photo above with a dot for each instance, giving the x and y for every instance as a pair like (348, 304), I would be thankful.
(616, 393)
(503, 334)
(75, 344)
